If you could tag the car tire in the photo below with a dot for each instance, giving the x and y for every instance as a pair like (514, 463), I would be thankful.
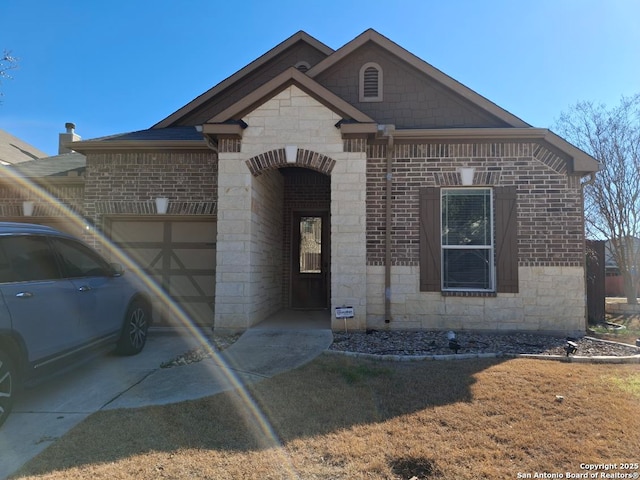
(8, 377)
(135, 328)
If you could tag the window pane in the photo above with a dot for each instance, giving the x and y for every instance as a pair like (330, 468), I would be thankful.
(310, 245)
(79, 261)
(466, 269)
(30, 258)
(466, 217)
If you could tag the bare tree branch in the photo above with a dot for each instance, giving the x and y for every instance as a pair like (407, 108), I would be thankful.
(612, 202)
(7, 62)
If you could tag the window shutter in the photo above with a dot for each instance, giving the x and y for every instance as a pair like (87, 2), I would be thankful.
(430, 239)
(506, 239)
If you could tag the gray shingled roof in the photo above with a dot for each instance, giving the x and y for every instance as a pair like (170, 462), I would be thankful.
(13, 150)
(172, 133)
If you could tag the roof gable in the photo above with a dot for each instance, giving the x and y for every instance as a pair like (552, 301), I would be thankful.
(291, 77)
(298, 47)
(467, 99)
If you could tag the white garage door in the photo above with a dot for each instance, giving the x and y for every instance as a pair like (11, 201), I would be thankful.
(179, 253)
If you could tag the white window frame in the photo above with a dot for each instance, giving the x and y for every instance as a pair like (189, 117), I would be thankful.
(490, 247)
(363, 69)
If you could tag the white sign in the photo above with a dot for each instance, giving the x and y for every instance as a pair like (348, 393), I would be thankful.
(344, 312)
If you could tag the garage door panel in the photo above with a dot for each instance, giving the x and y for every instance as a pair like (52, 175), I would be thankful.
(143, 257)
(195, 230)
(192, 259)
(136, 231)
(182, 285)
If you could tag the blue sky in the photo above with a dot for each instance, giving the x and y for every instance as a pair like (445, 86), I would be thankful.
(122, 65)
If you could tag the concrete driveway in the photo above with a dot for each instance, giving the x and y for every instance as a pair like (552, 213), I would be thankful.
(105, 381)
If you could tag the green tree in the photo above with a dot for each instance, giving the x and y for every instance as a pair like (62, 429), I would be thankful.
(612, 200)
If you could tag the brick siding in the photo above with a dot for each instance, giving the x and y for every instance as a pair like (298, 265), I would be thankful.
(550, 229)
(128, 183)
(47, 203)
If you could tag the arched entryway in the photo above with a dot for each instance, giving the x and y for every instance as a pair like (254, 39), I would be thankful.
(307, 245)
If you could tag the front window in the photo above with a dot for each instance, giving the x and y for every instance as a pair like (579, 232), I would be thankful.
(467, 239)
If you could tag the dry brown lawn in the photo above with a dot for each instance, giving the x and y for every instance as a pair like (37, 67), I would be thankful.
(343, 418)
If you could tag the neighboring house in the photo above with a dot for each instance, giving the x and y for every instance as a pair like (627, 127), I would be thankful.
(14, 151)
(614, 283)
(45, 189)
(316, 178)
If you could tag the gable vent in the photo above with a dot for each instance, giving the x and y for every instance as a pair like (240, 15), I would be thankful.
(371, 83)
(303, 66)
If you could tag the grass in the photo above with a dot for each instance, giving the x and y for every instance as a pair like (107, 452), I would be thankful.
(343, 418)
(629, 334)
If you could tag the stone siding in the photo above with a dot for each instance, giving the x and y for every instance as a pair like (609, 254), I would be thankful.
(551, 300)
(291, 117)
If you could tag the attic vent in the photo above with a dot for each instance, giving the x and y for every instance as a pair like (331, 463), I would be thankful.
(371, 83)
(303, 66)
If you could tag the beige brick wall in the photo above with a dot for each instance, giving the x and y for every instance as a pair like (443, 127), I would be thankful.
(267, 239)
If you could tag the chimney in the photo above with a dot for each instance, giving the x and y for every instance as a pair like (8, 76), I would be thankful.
(67, 137)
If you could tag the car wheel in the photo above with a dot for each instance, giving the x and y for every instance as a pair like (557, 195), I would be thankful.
(134, 330)
(7, 385)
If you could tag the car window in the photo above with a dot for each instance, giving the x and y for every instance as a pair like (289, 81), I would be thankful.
(26, 258)
(78, 260)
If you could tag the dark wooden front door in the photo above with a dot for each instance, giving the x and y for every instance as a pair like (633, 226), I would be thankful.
(310, 261)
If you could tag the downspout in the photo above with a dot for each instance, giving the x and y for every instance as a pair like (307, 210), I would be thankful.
(388, 132)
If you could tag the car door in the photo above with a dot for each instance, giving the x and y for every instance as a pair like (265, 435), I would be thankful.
(39, 301)
(100, 293)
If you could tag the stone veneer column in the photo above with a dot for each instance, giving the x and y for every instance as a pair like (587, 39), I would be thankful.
(233, 246)
(348, 239)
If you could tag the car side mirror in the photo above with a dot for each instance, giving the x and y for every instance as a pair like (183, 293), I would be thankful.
(117, 269)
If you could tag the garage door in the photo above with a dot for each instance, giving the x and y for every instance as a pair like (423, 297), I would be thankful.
(179, 254)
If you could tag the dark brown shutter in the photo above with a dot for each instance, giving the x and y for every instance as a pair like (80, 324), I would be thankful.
(429, 239)
(506, 239)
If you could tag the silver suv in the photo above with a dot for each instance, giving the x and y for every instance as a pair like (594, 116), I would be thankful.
(58, 299)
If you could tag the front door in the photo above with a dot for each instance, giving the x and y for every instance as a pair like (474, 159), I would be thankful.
(310, 261)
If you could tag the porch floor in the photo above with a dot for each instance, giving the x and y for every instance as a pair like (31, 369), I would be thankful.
(297, 319)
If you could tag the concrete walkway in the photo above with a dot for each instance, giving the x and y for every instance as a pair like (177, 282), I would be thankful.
(105, 381)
